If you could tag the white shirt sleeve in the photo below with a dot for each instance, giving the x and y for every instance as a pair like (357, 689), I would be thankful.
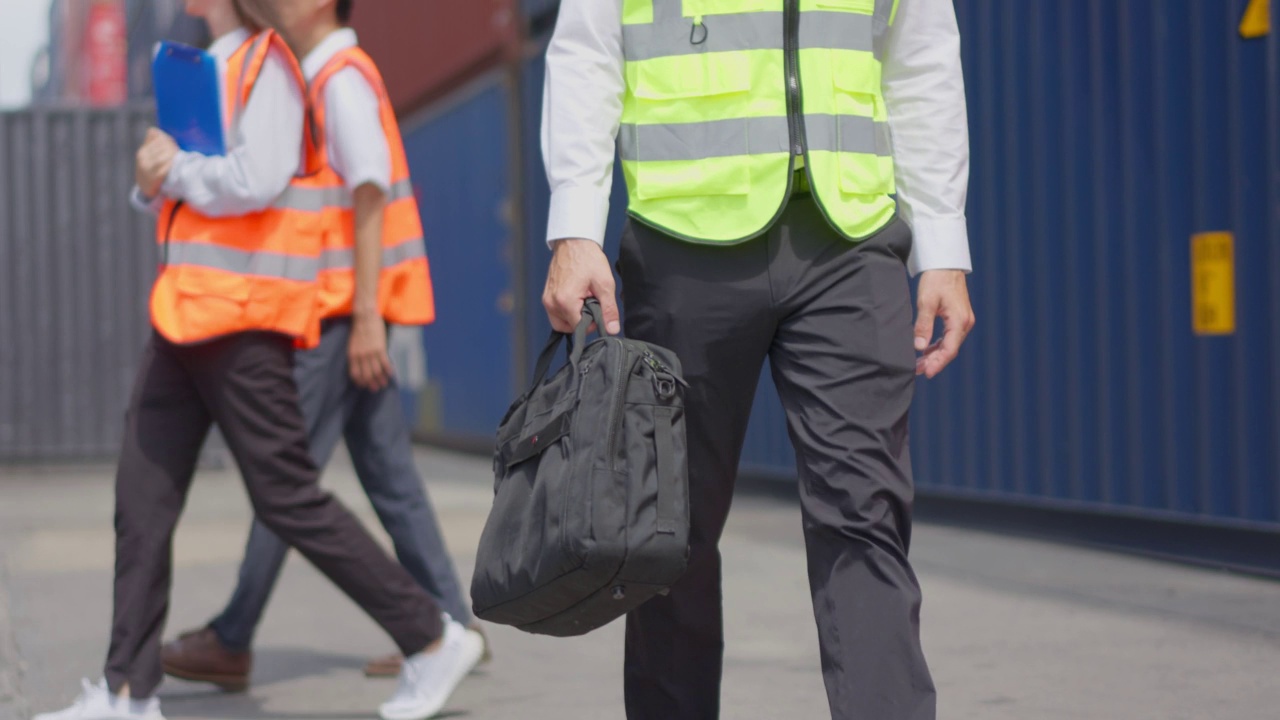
(924, 93)
(264, 154)
(142, 204)
(358, 147)
(581, 112)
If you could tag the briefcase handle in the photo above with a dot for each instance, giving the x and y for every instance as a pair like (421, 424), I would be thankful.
(591, 314)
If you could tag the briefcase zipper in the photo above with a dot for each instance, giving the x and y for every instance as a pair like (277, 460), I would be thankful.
(619, 398)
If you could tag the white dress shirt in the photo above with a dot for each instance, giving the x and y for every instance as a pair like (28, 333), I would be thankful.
(357, 143)
(923, 91)
(264, 149)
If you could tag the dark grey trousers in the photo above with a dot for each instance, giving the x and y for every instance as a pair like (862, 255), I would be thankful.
(373, 425)
(244, 383)
(835, 320)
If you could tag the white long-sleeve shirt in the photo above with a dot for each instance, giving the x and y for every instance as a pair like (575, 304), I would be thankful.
(923, 91)
(264, 150)
(357, 143)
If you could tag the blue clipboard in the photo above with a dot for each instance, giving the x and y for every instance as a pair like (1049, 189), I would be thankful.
(189, 97)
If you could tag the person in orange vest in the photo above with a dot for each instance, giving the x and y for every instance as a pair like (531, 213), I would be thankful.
(374, 272)
(237, 290)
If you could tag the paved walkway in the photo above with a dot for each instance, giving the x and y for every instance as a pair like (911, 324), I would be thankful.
(1014, 629)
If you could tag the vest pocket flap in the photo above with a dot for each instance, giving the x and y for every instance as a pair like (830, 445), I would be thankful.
(533, 444)
(855, 72)
(692, 76)
(866, 7)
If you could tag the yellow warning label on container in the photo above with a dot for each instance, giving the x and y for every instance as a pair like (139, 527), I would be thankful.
(1257, 19)
(1213, 283)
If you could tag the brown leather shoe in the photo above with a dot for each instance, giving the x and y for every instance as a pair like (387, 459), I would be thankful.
(389, 665)
(200, 656)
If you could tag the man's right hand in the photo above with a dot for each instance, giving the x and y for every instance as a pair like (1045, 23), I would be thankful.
(579, 270)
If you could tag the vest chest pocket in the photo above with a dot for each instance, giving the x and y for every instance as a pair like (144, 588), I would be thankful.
(862, 145)
(679, 147)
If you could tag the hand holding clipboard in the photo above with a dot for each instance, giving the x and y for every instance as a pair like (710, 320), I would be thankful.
(189, 98)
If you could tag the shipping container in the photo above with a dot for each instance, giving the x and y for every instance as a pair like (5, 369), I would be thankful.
(427, 49)
(76, 265)
(1105, 136)
(460, 157)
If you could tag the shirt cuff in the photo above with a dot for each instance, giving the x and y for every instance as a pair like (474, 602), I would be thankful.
(169, 187)
(142, 203)
(939, 244)
(369, 178)
(578, 212)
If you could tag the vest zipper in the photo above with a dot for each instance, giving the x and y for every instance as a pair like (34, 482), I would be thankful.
(791, 51)
(168, 230)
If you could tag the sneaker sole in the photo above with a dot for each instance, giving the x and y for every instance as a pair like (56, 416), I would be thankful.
(464, 668)
(226, 683)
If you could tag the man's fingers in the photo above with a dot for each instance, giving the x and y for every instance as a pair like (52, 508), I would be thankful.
(385, 371)
(609, 306)
(925, 319)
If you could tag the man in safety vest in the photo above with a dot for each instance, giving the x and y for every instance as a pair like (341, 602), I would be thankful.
(787, 162)
(373, 272)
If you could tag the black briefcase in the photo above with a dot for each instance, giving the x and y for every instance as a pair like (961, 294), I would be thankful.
(591, 500)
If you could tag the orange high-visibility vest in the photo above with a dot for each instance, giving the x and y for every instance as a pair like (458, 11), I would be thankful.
(405, 294)
(235, 274)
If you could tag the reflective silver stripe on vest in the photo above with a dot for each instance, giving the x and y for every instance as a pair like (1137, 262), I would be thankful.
(671, 33)
(242, 262)
(345, 258)
(315, 199)
(748, 31)
(751, 136)
(848, 134)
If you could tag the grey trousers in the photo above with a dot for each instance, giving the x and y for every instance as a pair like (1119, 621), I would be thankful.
(835, 320)
(373, 425)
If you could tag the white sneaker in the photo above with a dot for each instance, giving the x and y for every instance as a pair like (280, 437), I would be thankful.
(96, 702)
(428, 679)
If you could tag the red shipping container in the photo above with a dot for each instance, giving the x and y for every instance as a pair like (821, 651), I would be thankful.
(425, 48)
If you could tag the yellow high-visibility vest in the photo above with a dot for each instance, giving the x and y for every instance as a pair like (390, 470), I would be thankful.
(723, 95)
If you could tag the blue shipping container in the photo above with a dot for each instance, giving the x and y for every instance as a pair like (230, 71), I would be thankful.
(459, 157)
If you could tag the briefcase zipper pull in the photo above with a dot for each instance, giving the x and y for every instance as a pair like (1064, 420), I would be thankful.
(662, 371)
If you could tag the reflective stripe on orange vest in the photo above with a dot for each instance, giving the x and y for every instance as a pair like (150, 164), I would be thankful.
(253, 272)
(405, 294)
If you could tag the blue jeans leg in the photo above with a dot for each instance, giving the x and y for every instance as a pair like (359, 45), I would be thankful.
(382, 452)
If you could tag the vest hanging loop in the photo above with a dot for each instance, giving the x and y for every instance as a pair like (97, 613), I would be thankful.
(698, 33)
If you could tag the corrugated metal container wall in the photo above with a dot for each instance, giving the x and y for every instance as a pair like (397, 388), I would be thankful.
(428, 48)
(460, 160)
(1104, 135)
(76, 264)
(537, 199)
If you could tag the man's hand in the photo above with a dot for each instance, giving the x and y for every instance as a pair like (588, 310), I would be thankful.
(154, 160)
(579, 270)
(367, 353)
(942, 294)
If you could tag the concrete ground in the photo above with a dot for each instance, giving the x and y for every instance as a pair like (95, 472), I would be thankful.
(1014, 629)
